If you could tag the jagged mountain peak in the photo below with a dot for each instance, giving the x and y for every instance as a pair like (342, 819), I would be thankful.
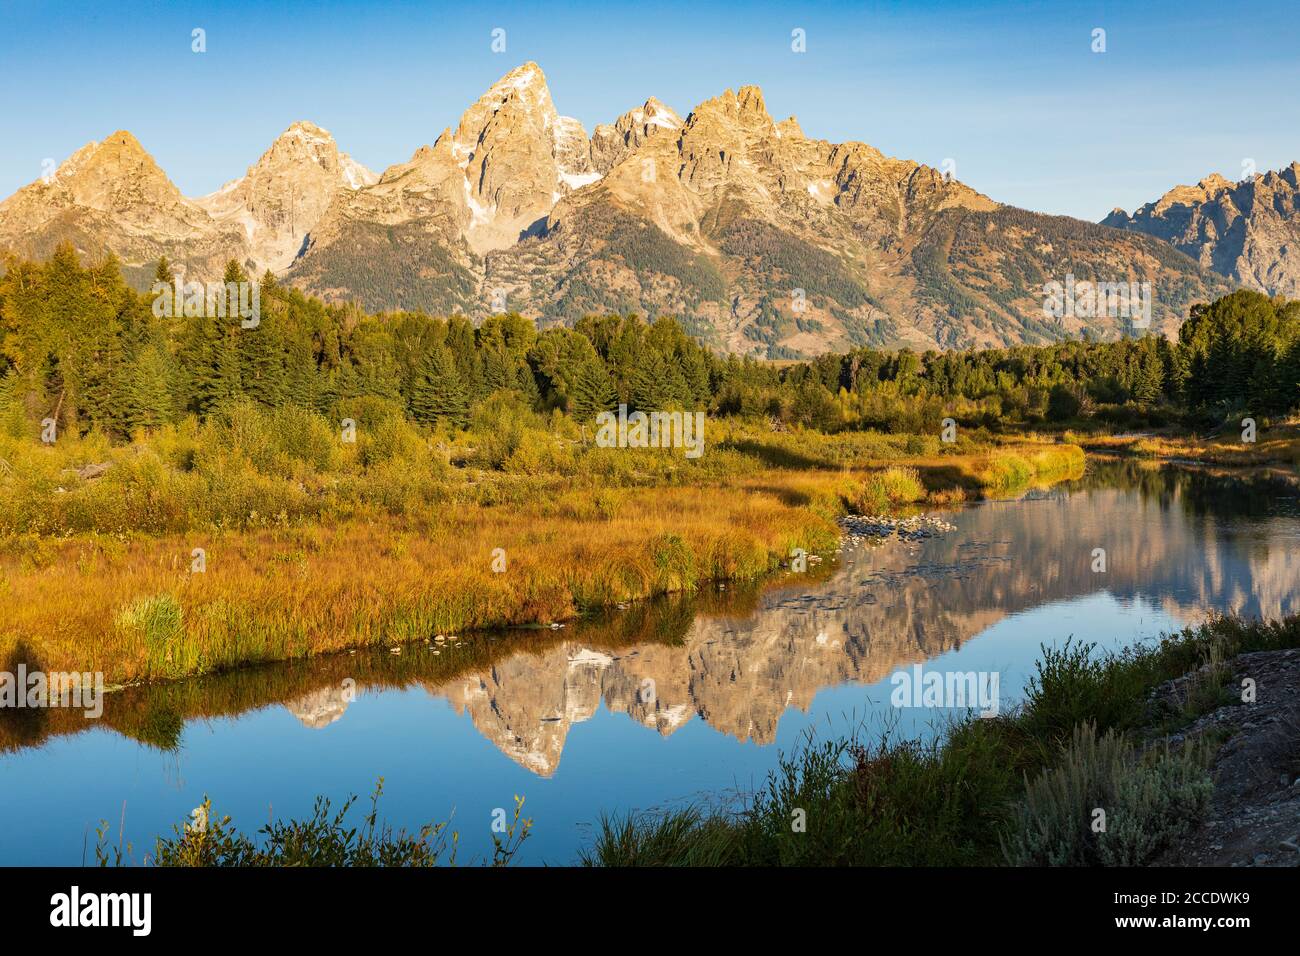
(521, 95)
(525, 76)
(611, 143)
(112, 154)
(1248, 230)
(113, 175)
(746, 107)
(282, 196)
(655, 109)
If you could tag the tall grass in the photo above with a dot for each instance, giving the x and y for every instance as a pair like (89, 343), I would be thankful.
(134, 609)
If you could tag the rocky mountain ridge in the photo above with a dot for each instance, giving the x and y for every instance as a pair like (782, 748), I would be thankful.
(756, 237)
(1248, 230)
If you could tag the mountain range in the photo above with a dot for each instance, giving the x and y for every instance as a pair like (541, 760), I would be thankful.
(1248, 231)
(756, 237)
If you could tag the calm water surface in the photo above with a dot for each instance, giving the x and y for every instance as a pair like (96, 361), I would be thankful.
(670, 701)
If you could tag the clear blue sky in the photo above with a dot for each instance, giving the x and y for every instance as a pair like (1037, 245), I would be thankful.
(1011, 91)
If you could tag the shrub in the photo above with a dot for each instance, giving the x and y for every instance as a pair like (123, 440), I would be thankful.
(1071, 686)
(881, 489)
(321, 840)
(1147, 803)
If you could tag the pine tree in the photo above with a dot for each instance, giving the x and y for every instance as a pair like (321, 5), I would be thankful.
(1149, 380)
(593, 391)
(150, 396)
(164, 273)
(438, 394)
(261, 361)
(224, 380)
(649, 386)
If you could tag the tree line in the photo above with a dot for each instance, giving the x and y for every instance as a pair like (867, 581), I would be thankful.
(78, 345)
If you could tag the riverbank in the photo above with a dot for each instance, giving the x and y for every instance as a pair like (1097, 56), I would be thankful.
(148, 607)
(1254, 813)
(1276, 446)
(1107, 733)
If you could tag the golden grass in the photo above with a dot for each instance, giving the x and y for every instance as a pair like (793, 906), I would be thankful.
(134, 610)
(1279, 445)
(1004, 470)
(128, 605)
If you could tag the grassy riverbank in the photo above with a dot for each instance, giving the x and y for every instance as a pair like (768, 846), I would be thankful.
(1022, 788)
(308, 545)
(1279, 445)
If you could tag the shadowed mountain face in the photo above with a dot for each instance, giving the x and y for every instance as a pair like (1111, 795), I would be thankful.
(1248, 231)
(757, 237)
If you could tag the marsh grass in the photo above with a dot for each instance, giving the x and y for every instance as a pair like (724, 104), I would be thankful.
(314, 544)
(1278, 444)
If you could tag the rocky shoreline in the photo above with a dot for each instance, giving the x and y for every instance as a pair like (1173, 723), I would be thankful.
(1254, 815)
(859, 528)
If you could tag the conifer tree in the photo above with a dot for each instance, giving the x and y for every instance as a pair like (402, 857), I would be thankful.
(439, 394)
(150, 395)
(163, 272)
(593, 391)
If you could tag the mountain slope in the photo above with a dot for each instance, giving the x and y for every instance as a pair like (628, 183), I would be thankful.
(1248, 231)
